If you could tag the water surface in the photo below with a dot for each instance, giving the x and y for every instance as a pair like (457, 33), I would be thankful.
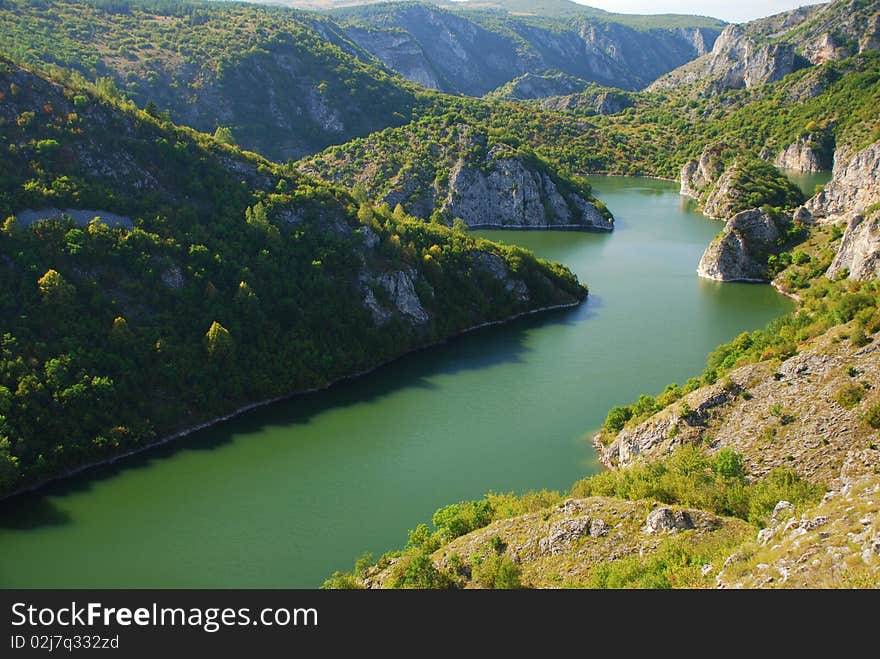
(285, 495)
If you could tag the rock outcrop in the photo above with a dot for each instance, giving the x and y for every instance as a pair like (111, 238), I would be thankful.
(772, 414)
(740, 252)
(854, 186)
(508, 194)
(737, 61)
(698, 175)
(859, 252)
(601, 101)
(803, 155)
(566, 543)
(460, 51)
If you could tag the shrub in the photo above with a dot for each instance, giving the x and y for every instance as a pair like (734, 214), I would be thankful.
(849, 395)
(497, 571)
(460, 518)
(778, 485)
(617, 418)
(872, 415)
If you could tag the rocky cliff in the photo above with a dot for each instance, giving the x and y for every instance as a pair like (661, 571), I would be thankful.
(473, 52)
(594, 100)
(740, 252)
(725, 184)
(804, 155)
(460, 174)
(854, 186)
(504, 192)
(748, 55)
(859, 254)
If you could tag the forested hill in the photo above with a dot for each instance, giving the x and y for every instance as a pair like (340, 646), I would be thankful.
(474, 47)
(215, 279)
(286, 83)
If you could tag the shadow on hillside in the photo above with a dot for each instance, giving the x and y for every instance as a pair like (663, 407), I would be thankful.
(477, 350)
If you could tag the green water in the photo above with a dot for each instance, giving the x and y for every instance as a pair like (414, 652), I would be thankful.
(807, 181)
(285, 495)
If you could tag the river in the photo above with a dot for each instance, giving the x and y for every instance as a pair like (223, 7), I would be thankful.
(288, 493)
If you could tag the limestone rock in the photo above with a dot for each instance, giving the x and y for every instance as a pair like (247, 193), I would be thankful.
(740, 252)
(668, 520)
(697, 175)
(859, 251)
(854, 186)
(509, 194)
(803, 156)
(400, 289)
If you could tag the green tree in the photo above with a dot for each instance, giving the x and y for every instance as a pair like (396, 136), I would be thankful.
(218, 341)
(55, 290)
(223, 134)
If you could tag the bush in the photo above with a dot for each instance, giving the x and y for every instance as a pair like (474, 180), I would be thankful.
(849, 395)
(729, 464)
(460, 518)
(872, 416)
(617, 418)
(417, 571)
(779, 485)
(497, 571)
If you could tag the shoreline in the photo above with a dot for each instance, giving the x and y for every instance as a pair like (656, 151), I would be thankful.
(249, 407)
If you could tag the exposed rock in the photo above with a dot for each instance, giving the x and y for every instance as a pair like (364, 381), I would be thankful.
(172, 277)
(80, 217)
(737, 61)
(562, 534)
(667, 519)
(823, 49)
(398, 50)
(803, 156)
(402, 293)
(697, 175)
(565, 544)
(459, 52)
(790, 417)
(740, 252)
(854, 186)
(859, 252)
(511, 195)
(782, 509)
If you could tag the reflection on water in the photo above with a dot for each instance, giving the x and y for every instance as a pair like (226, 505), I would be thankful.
(285, 495)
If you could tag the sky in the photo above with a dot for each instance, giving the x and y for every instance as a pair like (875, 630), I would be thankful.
(735, 11)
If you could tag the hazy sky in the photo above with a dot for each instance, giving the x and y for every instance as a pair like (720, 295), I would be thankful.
(735, 11)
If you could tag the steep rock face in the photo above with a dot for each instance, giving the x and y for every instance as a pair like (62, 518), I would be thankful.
(723, 198)
(859, 251)
(697, 175)
(737, 61)
(398, 50)
(801, 155)
(470, 52)
(769, 48)
(854, 185)
(740, 252)
(511, 195)
(602, 101)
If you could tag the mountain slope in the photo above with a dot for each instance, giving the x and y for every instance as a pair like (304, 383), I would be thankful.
(215, 279)
(472, 49)
(286, 83)
(768, 49)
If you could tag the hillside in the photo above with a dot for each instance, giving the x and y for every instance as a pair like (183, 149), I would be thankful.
(474, 47)
(761, 473)
(284, 82)
(454, 166)
(153, 278)
(768, 49)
